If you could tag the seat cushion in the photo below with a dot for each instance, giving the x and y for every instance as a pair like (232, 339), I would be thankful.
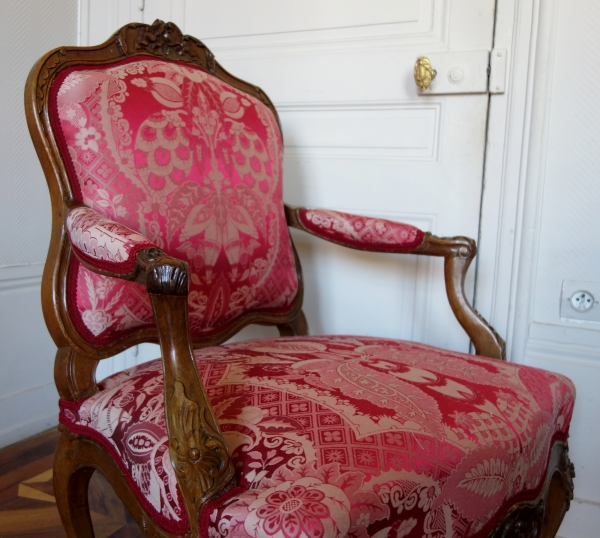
(335, 436)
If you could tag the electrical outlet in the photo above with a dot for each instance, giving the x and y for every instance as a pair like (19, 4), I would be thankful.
(580, 301)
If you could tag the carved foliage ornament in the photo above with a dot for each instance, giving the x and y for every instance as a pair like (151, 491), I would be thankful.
(164, 39)
(198, 452)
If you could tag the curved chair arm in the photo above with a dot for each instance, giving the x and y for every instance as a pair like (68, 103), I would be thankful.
(388, 236)
(102, 243)
(196, 445)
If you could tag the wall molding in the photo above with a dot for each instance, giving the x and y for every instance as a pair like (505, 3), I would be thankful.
(14, 277)
(534, 173)
(425, 275)
(583, 335)
(573, 355)
(516, 144)
(432, 33)
(429, 112)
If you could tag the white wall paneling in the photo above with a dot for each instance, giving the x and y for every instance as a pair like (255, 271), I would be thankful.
(99, 19)
(505, 167)
(398, 288)
(241, 29)
(398, 130)
(27, 30)
(539, 223)
(28, 399)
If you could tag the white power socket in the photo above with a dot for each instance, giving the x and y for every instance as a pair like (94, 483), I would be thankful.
(580, 301)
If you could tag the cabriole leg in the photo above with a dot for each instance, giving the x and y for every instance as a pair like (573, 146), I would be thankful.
(71, 481)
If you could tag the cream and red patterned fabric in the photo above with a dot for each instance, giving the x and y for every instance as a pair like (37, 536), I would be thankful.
(102, 242)
(361, 232)
(337, 436)
(193, 165)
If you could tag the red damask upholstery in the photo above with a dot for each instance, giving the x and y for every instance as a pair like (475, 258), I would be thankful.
(361, 232)
(192, 165)
(335, 436)
(102, 242)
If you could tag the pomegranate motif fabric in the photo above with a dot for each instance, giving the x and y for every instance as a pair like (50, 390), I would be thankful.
(103, 242)
(192, 165)
(361, 232)
(339, 436)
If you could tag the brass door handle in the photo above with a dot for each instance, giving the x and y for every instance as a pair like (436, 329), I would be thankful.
(424, 73)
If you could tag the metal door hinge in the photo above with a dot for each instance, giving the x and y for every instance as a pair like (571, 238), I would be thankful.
(476, 71)
(498, 63)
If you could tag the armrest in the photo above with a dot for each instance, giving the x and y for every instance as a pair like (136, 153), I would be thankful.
(197, 448)
(355, 231)
(103, 243)
(386, 236)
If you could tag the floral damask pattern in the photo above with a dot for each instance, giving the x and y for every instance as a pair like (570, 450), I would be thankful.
(344, 436)
(361, 232)
(192, 165)
(104, 242)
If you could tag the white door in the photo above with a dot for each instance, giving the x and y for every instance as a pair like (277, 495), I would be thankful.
(359, 137)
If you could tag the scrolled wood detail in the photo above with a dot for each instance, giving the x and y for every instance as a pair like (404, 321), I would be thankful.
(166, 40)
(458, 253)
(162, 274)
(198, 452)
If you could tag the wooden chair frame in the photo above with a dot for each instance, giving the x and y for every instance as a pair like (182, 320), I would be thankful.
(196, 446)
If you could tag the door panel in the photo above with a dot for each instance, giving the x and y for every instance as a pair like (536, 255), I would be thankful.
(360, 138)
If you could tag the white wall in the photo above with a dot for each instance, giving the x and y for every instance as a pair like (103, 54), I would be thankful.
(27, 394)
(28, 397)
(559, 231)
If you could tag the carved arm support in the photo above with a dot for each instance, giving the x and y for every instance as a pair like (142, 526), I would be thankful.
(196, 445)
(380, 235)
(197, 448)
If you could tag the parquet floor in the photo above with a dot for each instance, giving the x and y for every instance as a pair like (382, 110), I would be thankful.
(27, 505)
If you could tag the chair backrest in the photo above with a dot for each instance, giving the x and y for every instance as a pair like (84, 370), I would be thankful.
(151, 132)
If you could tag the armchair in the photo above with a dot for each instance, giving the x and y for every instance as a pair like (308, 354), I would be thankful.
(169, 226)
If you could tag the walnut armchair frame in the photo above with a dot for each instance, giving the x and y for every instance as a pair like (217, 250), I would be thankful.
(196, 445)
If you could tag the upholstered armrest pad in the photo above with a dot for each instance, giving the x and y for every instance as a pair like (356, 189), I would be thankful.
(361, 232)
(104, 243)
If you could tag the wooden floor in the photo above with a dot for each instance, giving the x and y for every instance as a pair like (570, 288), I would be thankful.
(27, 504)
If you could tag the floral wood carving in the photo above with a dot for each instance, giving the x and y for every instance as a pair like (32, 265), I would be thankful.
(165, 39)
(198, 452)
